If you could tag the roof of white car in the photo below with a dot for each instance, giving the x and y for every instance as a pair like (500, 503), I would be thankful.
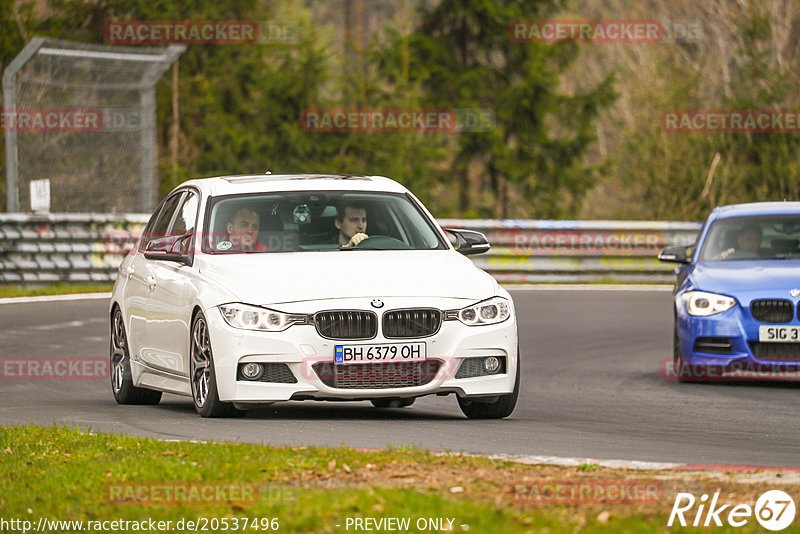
(256, 183)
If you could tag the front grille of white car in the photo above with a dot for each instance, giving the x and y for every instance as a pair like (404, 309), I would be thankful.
(346, 324)
(377, 375)
(419, 322)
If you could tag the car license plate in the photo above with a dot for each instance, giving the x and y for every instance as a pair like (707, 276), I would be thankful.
(779, 334)
(396, 352)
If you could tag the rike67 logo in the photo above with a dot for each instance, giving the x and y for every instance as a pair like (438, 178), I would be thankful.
(774, 510)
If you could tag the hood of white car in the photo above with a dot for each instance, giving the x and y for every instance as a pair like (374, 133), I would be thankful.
(274, 278)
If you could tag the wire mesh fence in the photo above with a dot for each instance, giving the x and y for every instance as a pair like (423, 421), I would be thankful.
(83, 116)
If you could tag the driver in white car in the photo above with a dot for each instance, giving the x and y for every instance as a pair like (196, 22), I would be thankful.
(351, 221)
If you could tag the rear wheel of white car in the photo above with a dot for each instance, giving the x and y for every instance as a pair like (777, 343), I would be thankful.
(121, 377)
(392, 403)
(202, 375)
(498, 409)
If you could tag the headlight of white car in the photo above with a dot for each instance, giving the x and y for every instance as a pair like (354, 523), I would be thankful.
(249, 317)
(492, 311)
(703, 304)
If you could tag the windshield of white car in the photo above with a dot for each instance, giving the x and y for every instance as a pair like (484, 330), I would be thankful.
(772, 237)
(299, 221)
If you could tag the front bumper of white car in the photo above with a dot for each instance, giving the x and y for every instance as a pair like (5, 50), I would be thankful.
(298, 363)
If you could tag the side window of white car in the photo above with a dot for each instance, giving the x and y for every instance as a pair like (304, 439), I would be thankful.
(159, 229)
(187, 215)
(148, 230)
(184, 223)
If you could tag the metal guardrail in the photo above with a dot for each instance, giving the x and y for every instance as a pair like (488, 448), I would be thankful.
(65, 247)
(89, 248)
(578, 251)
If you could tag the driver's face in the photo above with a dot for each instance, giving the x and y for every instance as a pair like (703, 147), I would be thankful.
(749, 240)
(354, 222)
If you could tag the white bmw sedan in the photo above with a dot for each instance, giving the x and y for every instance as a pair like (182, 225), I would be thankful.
(249, 290)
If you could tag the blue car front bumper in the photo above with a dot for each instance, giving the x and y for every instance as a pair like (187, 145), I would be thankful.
(730, 342)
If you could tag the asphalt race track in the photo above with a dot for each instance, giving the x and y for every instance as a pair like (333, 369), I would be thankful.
(591, 389)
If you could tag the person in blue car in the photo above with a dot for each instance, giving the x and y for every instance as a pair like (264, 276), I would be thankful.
(748, 241)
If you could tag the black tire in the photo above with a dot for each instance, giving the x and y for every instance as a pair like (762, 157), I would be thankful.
(389, 402)
(202, 377)
(498, 409)
(120, 369)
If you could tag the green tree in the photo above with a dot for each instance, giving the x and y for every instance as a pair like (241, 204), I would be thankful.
(462, 56)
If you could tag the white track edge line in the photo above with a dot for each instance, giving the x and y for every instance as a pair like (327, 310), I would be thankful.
(569, 461)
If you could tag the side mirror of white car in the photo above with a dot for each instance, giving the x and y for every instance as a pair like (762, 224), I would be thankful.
(469, 242)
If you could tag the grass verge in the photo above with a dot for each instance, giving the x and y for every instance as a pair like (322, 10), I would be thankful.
(53, 289)
(68, 474)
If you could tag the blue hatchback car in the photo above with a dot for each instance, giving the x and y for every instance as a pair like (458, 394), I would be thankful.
(737, 293)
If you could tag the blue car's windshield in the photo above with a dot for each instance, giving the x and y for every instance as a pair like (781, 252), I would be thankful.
(753, 238)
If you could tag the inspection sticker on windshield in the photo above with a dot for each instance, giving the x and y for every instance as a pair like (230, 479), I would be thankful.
(398, 352)
(779, 334)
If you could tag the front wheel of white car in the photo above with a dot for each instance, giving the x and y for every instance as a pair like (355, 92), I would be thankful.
(202, 375)
(498, 409)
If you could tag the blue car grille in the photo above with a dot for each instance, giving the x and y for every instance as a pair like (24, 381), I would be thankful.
(776, 351)
(772, 310)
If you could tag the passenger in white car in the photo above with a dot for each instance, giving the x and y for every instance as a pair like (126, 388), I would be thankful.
(243, 231)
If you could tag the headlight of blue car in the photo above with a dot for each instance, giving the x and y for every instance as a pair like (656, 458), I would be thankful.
(702, 304)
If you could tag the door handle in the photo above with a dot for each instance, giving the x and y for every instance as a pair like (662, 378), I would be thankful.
(128, 271)
(151, 282)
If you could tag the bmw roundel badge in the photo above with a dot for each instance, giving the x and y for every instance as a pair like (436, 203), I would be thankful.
(794, 292)
(377, 303)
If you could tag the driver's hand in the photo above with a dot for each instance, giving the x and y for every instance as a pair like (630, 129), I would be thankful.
(722, 255)
(356, 239)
